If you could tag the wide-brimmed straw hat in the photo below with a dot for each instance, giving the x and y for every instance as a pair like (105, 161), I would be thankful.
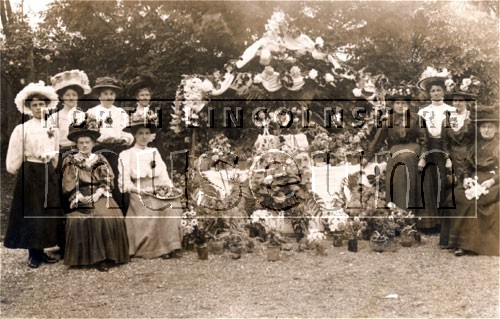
(89, 128)
(145, 81)
(106, 82)
(432, 76)
(71, 79)
(32, 89)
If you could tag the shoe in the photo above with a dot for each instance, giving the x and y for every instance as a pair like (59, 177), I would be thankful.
(102, 266)
(459, 252)
(171, 255)
(47, 259)
(33, 262)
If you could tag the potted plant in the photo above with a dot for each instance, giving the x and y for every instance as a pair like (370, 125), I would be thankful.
(408, 235)
(378, 242)
(354, 228)
(274, 246)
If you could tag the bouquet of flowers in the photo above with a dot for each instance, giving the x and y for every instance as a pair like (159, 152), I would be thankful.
(475, 190)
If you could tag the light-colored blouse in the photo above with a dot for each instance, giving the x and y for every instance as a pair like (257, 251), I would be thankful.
(138, 163)
(33, 141)
(114, 120)
(434, 116)
(141, 113)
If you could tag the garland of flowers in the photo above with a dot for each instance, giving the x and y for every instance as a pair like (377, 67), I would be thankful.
(298, 60)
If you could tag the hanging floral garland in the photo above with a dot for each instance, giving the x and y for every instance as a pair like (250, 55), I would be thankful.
(289, 60)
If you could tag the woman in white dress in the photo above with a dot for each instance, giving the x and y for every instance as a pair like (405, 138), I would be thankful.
(153, 224)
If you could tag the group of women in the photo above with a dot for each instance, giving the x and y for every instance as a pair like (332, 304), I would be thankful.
(89, 160)
(443, 164)
(74, 168)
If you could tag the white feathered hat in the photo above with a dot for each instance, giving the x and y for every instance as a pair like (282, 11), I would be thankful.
(71, 78)
(36, 88)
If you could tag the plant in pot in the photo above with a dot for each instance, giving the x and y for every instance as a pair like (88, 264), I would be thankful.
(408, 234)
(274, 245)
(189, 225)
(378, 241)
(354, 228)
(335, 222)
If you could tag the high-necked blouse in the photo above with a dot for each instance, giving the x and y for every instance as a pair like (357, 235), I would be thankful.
(435, 115)
(62, 120)
(114, 120)
(139, 163)
(34, 141)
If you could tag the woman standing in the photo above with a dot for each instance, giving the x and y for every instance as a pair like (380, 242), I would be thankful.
(459, 137)
(95, 228)
(111, 120)
(405, 141)
(153, 225)
(434, 161)
(475, 227)
(142, 89)
(33, 155)
(70, 87)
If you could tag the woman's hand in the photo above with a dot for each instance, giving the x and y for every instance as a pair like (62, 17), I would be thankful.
(488, 183)
(421, 164)
(448, 164)
(98, 193)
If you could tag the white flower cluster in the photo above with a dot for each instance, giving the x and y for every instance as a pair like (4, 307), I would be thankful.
(188, 222)
(315, 236)
(336, 220)
(265, 218)
(433, 72)
(476, 190)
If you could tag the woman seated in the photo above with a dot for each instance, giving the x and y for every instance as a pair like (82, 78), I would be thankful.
(95, 227)
(475, 223)
(153, 224)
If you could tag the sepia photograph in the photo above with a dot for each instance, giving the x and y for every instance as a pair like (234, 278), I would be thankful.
(249, 159)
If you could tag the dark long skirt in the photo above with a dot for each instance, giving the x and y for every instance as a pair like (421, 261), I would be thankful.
(111, 153)
(36, 211)
(402, 179)
(96, 234)
(475, 224)
(435, 188)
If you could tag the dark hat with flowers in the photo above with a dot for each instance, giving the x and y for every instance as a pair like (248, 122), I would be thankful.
(484, 114)
(468, 89)
(402, 91)
(149, 120)
(106, 82)
(87, 127)
(145, 81)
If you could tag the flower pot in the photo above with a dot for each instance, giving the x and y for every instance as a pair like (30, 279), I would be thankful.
(378, 244)
(273, 253)
(338, 238)
(216, 247)
(202, 252)
(352, 245)
(407, 240)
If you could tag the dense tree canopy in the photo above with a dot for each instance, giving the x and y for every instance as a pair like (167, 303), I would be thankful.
(169, 39)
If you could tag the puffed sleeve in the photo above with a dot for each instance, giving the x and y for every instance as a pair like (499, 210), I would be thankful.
(104, 174)
(163, 179)
(70, 175)
(124, 180)
(15, 154)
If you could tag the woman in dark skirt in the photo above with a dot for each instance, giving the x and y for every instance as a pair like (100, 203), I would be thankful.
(33, 155)
(95, 227)
(475, 226)
(434, 162)
(460, 138)
(404, 140)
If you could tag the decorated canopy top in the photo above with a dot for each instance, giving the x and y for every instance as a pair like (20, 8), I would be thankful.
(287, 60)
